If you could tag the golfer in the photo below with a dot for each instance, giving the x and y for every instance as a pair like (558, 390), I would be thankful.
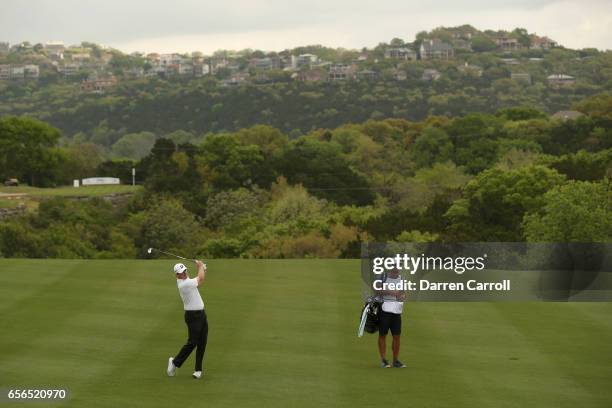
(390, 317)
(195, 317)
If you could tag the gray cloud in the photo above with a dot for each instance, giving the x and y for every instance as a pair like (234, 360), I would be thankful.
(140, 24)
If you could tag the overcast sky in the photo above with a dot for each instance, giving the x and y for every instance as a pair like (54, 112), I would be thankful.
(189, 25)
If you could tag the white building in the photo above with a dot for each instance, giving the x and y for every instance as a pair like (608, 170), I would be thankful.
(68, 69)
(16, 72)
(201, 70)
(303, 60)
(405, 54)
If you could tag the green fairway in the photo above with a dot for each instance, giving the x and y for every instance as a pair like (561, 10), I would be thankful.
(283, 334)
(8, 203)
(70, 191)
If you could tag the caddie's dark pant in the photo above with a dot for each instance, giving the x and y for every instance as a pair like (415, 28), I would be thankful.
(197, 326)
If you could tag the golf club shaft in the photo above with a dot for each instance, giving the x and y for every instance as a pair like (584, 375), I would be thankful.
(174, 255)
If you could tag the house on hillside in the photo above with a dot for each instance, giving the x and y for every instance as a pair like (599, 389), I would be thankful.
(80, 57)
(10, 72)
(31, 71)
(461, 44)
(311, 75)
(68, 69)
(367, 75)
(435, 49)
(560, 80)
(566, 115)
(237, 78)
(521, 77)
(542, 43)
(303, 60)
(170, 59)
(462, 33)
(430, 75)
(217, 63)
(508, 43)
(200, 69)
(185, 69)
(510, 61)
(98, 84)
(470, 70)
(5, 72)
(55, 49)
(265, 64)
(405, 54)
(134, 72)
(399, 74)
(341, 72)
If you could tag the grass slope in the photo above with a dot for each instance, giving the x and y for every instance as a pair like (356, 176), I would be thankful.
(70, 191)
(283, 334)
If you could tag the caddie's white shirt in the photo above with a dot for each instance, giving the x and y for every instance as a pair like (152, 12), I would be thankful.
(188, 289)
(390, 303)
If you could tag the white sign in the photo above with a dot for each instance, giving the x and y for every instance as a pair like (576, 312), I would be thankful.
(96, 181)
(76, 183)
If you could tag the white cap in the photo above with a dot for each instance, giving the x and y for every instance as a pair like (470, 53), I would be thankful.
(179, 268)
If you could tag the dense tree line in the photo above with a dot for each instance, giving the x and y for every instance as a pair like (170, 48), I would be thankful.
(257, 192)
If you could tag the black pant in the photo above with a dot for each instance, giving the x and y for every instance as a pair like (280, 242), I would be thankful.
(387, 320)
(197, 326)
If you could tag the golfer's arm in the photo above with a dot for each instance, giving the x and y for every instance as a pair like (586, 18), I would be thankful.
(201, 274)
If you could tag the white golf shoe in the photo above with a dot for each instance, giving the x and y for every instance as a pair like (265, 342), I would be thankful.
(197, 375)
(171, 370)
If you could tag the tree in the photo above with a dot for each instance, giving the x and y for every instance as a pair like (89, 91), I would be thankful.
(416, 236)
(584, 166)
(321, 168)
(494, 203)
(121, 169)
(521, 113)
(18, 239)
(26, 150)
(180, 136)
(431, 146)
(598, 106)
(134, 145)
(578, 211)
(480, 154)
(522, 35)
(83, 159)
(226, 207)
(396, 43)
(270, 140)
(165, 224)
(420, 191)
(482, 43)
(293, 203)
(228, 164)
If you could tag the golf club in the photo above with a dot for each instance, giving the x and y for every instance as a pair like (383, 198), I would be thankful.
(150, 251)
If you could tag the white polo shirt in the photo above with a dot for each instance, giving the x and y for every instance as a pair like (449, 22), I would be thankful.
(390, 303)
(188, 289)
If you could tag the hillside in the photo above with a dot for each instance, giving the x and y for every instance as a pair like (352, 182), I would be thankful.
(102, 94)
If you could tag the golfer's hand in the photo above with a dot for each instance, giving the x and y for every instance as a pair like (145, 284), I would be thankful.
(199, 263)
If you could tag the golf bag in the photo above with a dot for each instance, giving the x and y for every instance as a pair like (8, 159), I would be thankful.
(369, 316)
